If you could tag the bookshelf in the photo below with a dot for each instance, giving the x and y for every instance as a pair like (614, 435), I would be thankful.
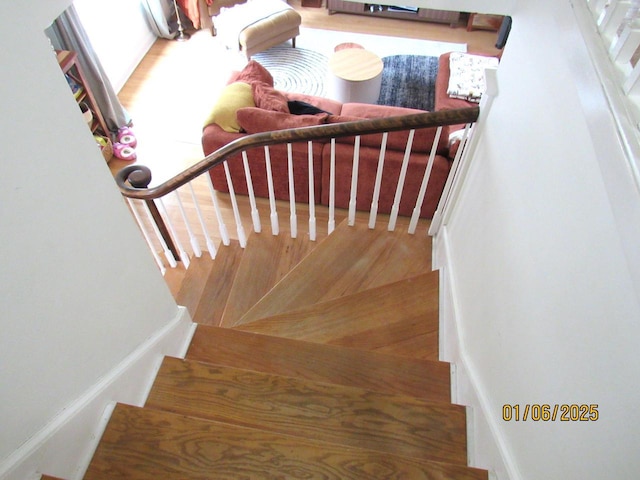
(72, 70)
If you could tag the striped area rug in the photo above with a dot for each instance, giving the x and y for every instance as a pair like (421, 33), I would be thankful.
(407, 80)
(296, 70)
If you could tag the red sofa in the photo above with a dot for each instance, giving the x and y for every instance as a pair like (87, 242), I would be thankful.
(214, 137)
(256, 119)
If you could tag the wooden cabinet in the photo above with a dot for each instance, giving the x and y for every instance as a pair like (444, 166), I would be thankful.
(72, 70)
(374, 9)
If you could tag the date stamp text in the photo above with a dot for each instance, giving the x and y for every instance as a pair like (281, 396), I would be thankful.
(550, 413)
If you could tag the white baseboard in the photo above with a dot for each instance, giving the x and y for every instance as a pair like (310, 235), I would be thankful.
(65, 446)
(486, 446)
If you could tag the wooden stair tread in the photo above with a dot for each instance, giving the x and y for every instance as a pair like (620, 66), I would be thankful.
(399, 318)
(193, 282)
(275, 255)
(350, 260)
(411, 339)
(429, 380)
(218, 284)
(395, 424)
(147, 444)
(329, 369)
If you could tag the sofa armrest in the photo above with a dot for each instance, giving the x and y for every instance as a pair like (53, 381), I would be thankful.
(214, 137)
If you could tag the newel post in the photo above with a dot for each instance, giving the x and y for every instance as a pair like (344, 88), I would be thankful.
(139, 176)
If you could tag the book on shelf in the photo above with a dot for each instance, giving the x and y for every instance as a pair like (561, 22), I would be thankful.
(75, 87)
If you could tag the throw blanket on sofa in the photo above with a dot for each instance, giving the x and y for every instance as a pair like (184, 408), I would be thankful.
(466, 80)
(232, 21)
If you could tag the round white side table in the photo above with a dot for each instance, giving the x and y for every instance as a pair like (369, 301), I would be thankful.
(355, 75)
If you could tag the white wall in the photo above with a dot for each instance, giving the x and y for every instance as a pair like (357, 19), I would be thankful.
(79, 289)
(119, 33)
(544, 297)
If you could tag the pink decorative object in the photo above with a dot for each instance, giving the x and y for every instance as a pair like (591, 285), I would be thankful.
(124, 152)
(126, 137)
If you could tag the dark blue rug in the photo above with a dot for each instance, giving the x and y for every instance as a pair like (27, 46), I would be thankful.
(409, 81)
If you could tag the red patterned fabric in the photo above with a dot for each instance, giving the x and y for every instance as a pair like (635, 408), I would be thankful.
(191, 10)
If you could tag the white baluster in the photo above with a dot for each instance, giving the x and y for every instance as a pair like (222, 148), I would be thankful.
(176, 240)
(373, 214)
(168, 254)
(147, 238)
(354, 181)
(399, 188)
(611, 18)
(312, 195)
(275, 226)
(242, 238)
(257, 226)
(425, 181)
(224, 234)
(332, 189)
(437, 219)
(596, 7)
(605, 10)
(631, 83)
(625, 45)
(293, 219)
(195, 245)
(466, 154)
(203, 225)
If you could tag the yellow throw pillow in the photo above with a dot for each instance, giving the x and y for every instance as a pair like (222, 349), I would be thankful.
(233, 97)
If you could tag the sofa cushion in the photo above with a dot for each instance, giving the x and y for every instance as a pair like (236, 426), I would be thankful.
(367, 110)
(368, 166)
(268, 98)
(214, 138)
(233, 97)
(422, 140)
(253, 72)
(256, 120)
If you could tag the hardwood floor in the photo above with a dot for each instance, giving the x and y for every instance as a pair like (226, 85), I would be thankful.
(477, 40)
(174, 86)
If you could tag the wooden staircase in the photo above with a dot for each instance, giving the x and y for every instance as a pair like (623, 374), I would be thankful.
(311, 360)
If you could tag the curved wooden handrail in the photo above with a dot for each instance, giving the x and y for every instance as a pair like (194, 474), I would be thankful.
(134, 179)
